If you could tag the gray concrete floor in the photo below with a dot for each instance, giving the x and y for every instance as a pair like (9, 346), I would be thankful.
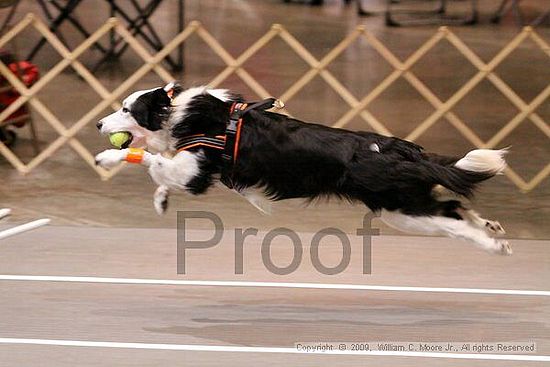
(260, 317)
(67, 190)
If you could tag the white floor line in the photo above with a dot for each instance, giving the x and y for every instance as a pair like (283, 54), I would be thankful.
(228, 283)
(237, 349)
(24, 228)
(4, 212)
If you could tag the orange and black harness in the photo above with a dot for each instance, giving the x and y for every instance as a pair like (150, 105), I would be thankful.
(228, 143)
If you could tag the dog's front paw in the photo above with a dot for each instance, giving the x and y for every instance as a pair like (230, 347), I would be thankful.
(110, 158)
(160, 200)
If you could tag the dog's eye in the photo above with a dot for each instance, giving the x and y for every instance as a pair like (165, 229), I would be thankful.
(125, 110)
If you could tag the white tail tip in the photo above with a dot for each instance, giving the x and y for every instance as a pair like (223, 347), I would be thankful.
(484, 160)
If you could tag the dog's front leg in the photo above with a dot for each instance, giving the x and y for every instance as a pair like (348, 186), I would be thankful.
(112, 157)
(169, 174)
(160, 199)
(174, 173)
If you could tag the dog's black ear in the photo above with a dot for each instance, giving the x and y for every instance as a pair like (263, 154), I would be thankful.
(151, 109)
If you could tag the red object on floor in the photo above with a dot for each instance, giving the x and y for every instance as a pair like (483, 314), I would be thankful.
(28, 74)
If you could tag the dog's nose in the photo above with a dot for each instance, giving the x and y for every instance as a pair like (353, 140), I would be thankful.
(99, 125)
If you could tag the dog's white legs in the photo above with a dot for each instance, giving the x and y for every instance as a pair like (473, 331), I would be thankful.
(491, 226)
(160, 199)
(174, 173)
(111, 157)
(168, 173)
(462, 229)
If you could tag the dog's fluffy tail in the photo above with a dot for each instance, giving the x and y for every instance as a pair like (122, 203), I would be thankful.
(475, 167)
(483, 160)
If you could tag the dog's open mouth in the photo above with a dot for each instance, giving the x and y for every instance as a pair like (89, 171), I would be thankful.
(121, 139)
(127, 143)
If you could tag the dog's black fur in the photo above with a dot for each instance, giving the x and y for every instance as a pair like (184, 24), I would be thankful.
(151, 109)
(292, 159)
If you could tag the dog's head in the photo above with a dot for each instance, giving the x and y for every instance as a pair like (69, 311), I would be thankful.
(143, 115)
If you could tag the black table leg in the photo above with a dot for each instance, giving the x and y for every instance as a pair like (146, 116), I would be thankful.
(54, 25)
(77, 25)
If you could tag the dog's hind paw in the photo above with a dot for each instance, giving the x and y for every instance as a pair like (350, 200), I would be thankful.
(160, 200)
(494, 227)
(505, 248)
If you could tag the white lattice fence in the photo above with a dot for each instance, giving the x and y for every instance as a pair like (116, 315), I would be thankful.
(357, 107)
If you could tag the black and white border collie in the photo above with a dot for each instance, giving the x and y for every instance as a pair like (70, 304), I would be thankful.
(282, 158)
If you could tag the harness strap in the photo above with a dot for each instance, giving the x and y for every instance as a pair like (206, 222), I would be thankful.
(233, 134)
(228, 143)
(201, 140)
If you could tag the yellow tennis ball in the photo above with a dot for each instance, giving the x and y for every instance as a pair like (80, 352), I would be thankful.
(118, 139)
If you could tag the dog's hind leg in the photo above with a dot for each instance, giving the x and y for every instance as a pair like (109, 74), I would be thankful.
(160, 199)
(491, 226)
(452, 227)
(455, 209)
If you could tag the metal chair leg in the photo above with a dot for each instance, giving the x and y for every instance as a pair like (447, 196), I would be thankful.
(34, 137)
(54, 25)
(439, 16)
